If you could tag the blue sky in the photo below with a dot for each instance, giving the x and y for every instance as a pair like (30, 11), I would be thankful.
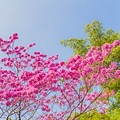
(46, 22)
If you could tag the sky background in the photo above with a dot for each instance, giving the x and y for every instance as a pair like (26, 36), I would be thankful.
(46, 22)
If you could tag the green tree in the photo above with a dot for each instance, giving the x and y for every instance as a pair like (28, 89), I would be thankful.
(96, 36)
(95, 115)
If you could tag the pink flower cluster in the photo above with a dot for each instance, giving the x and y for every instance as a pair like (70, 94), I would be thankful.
(58, 89)
(106, 48)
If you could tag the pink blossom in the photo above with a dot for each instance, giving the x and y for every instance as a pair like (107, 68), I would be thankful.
(56, 88)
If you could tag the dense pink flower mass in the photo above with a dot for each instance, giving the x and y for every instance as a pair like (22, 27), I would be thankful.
(37, 85)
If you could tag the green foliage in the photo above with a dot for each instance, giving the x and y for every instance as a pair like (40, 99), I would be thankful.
(94, 33)
(115, 114)
(78, 45)
(96, 36)
(114, 56)
(94, 115)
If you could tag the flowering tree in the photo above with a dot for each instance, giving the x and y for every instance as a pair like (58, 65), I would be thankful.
(97, 35)
(33, 86)
(24, 80)
(81, 80)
